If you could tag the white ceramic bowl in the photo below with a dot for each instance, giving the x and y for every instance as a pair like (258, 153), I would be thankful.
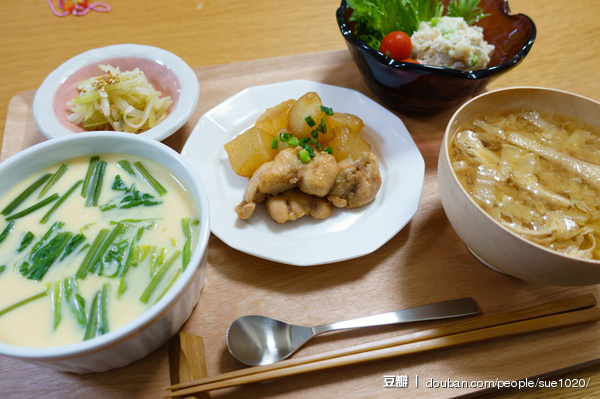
(492, 243)
(165, 71)
(154, 327)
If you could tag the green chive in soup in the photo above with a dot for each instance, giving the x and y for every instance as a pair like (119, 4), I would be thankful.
(88, 245)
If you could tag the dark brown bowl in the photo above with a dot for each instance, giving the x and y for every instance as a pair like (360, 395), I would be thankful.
(415, 88)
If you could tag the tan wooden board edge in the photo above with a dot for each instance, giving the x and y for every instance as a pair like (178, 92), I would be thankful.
(425, 262)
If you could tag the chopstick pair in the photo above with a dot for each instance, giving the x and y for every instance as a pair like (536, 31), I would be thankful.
(567, 312)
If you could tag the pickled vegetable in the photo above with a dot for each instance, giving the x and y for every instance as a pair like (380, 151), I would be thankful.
(123, 101)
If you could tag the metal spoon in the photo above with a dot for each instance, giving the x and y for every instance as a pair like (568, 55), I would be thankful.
(259, 340)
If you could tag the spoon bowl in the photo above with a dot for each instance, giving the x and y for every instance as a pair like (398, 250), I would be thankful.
(260, 340)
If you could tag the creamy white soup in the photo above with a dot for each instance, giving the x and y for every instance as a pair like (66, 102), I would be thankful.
(88, 245)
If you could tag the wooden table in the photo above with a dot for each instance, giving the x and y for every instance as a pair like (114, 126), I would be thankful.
(211, 32)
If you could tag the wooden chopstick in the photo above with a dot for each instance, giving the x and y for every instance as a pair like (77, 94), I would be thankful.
(565, 305)
(501, 331)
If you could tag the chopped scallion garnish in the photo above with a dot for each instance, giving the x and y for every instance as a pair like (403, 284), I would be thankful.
(329, 150)
(323, 126)
(285, 137)
(314, 134)
(309, 121)
(304, 156)
(311, 151)
(327, 110)
(293, 142)
(274, 143)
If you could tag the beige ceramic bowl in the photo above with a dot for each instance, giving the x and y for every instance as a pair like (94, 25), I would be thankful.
(491, 243)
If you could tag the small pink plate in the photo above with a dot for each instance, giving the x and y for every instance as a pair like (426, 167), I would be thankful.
(165, 71)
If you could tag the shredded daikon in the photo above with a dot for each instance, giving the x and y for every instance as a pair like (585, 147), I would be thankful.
(123, 101)
(536, 173)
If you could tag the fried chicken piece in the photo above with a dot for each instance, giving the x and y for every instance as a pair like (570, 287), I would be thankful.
(357, 182)
(252, 194)
(293, 204)
(315, 177)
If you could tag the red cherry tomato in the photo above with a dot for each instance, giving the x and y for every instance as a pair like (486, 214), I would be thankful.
(396, 45)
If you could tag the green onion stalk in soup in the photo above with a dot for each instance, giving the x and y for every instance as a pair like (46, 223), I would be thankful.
(88, 245)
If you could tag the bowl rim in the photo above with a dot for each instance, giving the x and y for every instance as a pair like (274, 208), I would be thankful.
(445, 149)
(43, 110)
(420, 68)
(172, 296)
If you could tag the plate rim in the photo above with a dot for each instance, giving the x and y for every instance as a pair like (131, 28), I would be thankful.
(43, 110)
(419, 165)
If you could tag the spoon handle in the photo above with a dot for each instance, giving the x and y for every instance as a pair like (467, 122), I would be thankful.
(439, 310)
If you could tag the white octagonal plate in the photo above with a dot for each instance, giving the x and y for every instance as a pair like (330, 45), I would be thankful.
(347, 233)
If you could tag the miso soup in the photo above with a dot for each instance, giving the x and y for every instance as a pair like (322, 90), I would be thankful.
(536, 173)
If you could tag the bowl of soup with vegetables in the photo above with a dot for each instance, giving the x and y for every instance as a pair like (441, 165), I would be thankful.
(102, 247)
(519, 179)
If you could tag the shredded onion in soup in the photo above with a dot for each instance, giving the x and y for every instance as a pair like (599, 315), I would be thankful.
(537, 174)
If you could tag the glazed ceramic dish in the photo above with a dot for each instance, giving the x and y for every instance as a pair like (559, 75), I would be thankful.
(341, 236)
(492, 243)
(165, 71)
(414, 88)
(156, 325)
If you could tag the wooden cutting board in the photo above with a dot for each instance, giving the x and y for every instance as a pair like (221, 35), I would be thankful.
(426, 262)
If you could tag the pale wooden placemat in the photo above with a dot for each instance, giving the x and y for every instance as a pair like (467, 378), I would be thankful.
(425, 262)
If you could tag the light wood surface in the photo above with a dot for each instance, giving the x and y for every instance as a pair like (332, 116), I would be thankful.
(567, 319)
(33, 42)
(444, 335)
(187, 361)
(424, 263)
